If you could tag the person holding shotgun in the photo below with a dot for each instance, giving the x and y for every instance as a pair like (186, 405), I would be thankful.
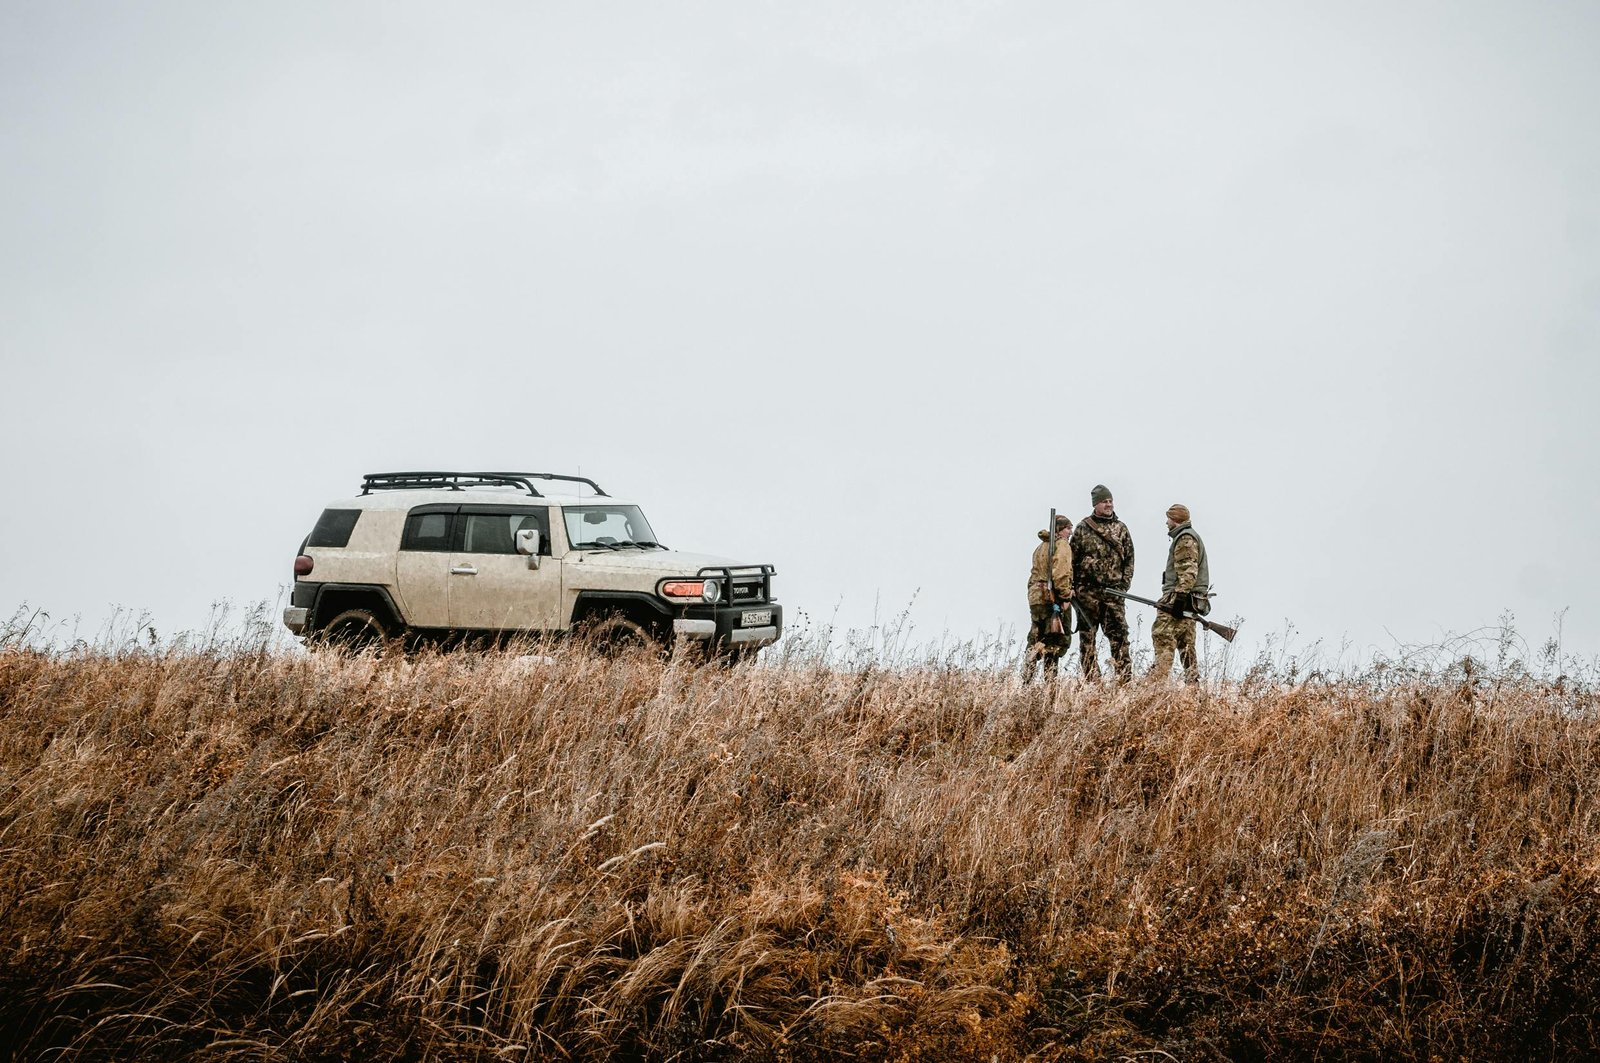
(1049, 589)
(1185, 594)
(1185, 600)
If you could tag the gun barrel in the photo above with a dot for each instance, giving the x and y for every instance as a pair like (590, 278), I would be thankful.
(1226, 633)
(1131, 597)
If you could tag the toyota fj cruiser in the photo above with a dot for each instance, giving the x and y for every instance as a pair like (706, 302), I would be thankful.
(475, 556)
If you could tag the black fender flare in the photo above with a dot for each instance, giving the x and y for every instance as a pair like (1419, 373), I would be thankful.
(638, 606)
(334, 598)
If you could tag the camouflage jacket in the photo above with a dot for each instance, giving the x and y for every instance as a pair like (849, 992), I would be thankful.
(1102, 554)
(1039, 575)
(1187, 568)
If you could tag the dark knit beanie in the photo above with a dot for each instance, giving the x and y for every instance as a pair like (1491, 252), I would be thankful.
(1101, 493)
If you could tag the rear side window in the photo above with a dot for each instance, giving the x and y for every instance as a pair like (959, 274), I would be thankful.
(427, 531)
(334, 527)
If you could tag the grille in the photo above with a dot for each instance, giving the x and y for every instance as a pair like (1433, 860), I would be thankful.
(746, 591)
(741, 584)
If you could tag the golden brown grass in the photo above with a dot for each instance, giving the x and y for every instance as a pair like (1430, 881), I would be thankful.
(255, 855)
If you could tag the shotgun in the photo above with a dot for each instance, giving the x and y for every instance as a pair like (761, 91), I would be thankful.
(1054, 626)
(1223, 630)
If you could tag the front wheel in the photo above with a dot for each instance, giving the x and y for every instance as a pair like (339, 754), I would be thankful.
(617, 636)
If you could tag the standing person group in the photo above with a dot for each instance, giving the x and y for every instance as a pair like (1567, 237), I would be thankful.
(1099, 557)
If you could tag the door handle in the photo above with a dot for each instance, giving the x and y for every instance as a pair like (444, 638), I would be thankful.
(463, 570)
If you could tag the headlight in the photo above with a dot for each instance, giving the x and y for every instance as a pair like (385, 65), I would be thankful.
(707, 590)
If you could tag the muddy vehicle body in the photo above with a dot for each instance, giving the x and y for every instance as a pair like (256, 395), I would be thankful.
(485, 556)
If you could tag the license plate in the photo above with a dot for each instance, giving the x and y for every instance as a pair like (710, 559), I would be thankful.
(755, 618)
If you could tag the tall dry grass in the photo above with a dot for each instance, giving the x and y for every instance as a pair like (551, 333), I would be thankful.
(232, 854)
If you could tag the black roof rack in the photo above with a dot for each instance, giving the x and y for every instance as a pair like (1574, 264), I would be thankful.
(455, 481)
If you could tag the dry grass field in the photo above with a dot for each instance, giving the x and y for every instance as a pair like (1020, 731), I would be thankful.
(257, 855)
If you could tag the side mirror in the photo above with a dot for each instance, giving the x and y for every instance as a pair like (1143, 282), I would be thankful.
(528, 543)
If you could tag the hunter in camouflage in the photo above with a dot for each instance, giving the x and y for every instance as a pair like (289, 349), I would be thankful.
(1102, 557)
(1184, 585)
(1046, 647)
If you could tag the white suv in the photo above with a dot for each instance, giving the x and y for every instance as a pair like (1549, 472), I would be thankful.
(451, 556)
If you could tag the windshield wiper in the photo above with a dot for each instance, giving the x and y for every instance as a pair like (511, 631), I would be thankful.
(649, 542)
(594, 545)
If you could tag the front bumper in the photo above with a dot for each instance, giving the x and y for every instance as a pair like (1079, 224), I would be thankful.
(725, 625)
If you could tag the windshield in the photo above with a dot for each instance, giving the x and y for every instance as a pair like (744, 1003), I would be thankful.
(601, 527)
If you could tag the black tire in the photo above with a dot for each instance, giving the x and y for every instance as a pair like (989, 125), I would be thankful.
(356, 631)
(617, 636)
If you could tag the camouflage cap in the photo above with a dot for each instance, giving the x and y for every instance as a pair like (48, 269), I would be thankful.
(1178, 512)
(1101, 493)
(1062, 521)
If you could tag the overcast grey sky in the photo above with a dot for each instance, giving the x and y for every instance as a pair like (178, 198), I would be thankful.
(858, 289)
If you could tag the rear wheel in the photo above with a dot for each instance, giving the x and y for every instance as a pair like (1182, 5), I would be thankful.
(356, 631)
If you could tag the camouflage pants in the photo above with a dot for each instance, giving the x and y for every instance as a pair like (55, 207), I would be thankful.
(1170, 633)
(1043, 648)
(1106, 614)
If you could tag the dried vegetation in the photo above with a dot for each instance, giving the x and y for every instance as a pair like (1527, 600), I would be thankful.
(241, 854)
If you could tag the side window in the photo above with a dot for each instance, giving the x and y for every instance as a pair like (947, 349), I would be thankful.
(334, 527)
(496, 533)
(427, 531)
(489, 533)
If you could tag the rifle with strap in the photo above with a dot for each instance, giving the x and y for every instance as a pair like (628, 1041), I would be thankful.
(1227, 633)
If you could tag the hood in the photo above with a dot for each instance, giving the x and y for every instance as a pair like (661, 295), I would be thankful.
(665, 562)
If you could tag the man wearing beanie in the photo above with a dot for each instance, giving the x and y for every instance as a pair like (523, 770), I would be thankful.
(1102, 557)
(1048, 586)
(1184, 585)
